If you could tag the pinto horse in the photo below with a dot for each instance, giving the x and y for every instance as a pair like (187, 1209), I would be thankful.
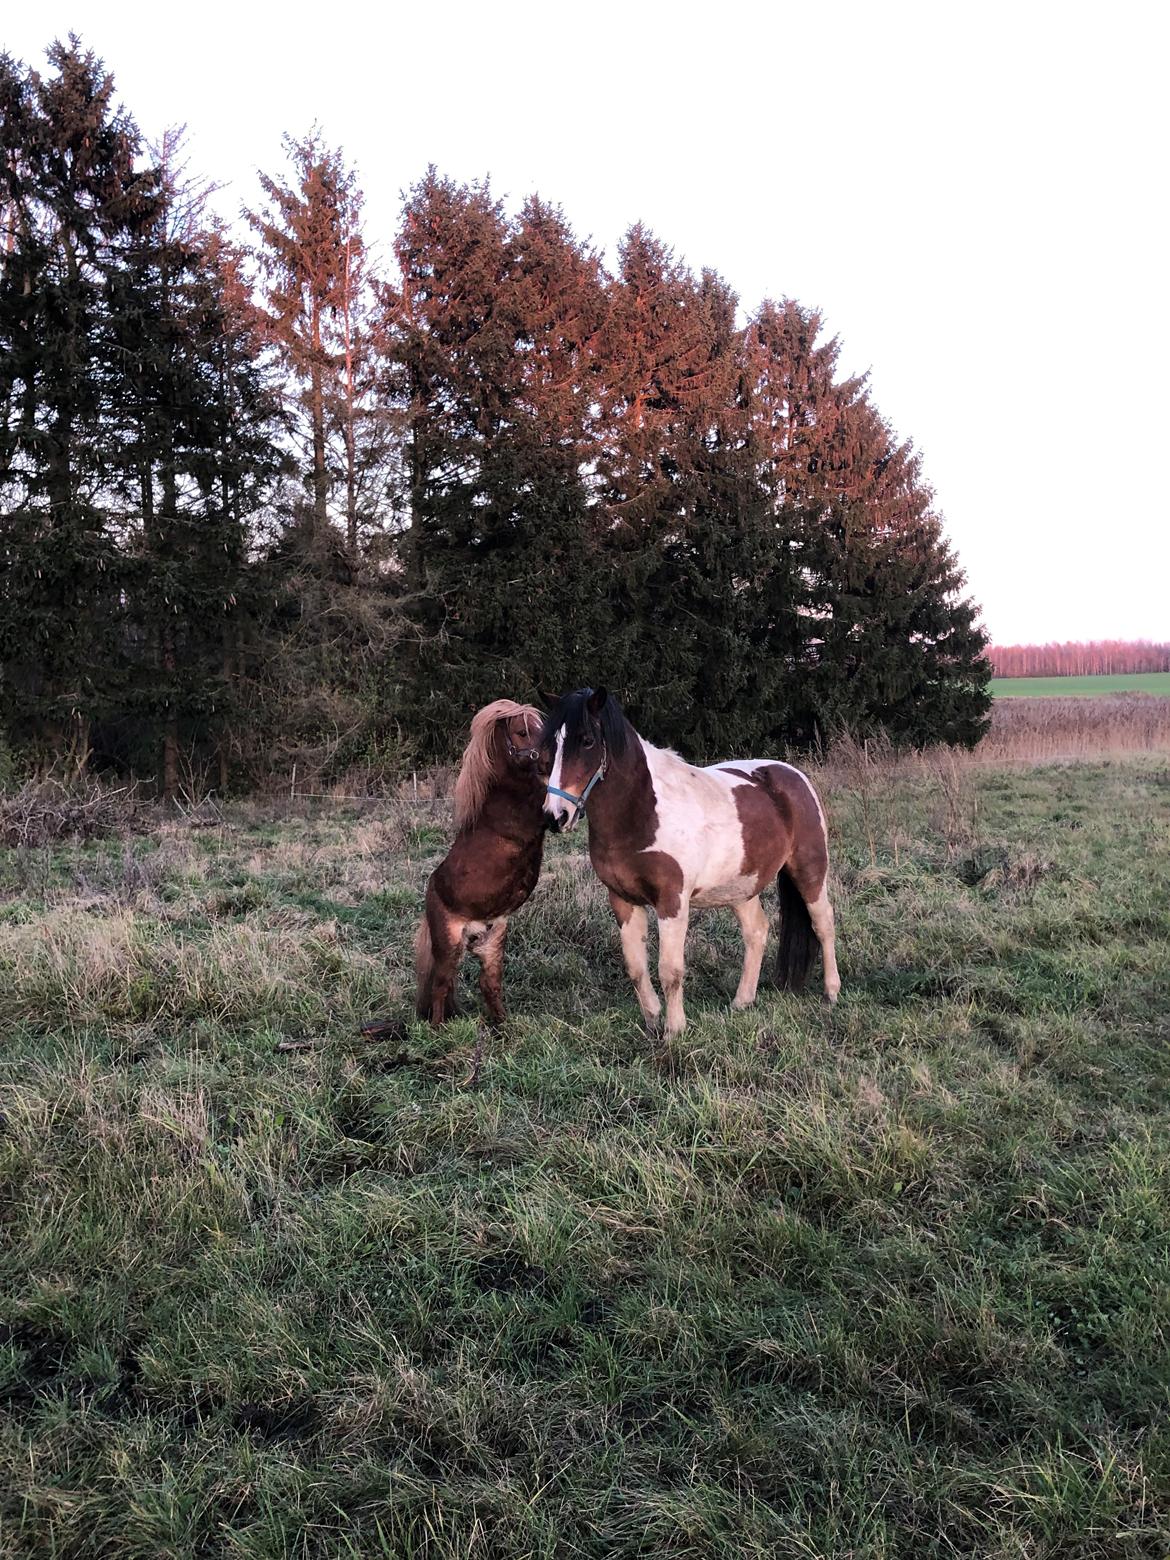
(667, 834)
(493, 864)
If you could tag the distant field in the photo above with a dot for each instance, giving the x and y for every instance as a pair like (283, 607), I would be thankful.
(1079, 687)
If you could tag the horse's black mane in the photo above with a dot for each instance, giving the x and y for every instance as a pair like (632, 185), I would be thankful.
(571, 711)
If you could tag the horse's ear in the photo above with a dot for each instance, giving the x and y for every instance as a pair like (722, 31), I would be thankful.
(548, 698)
(597, 701)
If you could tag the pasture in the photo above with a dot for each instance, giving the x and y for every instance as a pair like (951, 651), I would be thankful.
(889, 1280)
(1157, 683)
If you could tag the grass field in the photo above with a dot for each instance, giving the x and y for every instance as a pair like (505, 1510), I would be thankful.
(1080, 687)
(888, 1281)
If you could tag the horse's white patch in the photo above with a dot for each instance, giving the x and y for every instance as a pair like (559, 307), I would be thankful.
(699, 825)
(557, 806)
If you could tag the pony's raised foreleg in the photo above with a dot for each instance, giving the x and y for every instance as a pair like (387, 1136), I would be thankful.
(672, 940)
(632, 924)
(488, 948)
(753, 923)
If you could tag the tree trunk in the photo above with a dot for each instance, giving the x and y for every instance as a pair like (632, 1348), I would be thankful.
(170, 753)
(351, 528)
(317, 417)
(167, 657)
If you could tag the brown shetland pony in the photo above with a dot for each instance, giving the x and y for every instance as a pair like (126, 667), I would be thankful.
(493, 864)
(667, 834)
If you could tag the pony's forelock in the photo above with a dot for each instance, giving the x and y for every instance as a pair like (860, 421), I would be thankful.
(482, 755)
(572, 712)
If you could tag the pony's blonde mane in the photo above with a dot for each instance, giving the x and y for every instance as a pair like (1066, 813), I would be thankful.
(481, 757)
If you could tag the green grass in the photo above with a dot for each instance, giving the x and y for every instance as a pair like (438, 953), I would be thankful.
(892, 1280)
(1080, 687)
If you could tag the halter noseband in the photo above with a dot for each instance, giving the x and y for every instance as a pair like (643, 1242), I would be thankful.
(579, 801)
(528, 755)
(522, 755)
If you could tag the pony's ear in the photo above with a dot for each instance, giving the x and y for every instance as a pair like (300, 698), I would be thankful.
(597, 701)
(548, 698)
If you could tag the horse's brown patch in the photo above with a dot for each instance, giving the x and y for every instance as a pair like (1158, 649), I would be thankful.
(808, 858)
(623, 827)
(765, 820)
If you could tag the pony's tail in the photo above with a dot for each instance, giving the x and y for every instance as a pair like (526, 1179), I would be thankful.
(797, 938)
(424, 969)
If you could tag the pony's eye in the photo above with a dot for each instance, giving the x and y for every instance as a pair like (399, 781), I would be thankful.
(587, 742)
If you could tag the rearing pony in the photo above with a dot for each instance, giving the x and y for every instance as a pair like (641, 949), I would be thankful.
(667, 834)
(493, 864)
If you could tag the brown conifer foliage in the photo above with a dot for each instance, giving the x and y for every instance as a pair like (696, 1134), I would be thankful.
(316, 299)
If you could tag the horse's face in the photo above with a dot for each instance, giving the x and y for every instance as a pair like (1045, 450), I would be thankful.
(522, 743)
(575, 747)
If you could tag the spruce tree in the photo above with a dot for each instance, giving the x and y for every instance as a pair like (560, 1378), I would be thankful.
(659, 378)
(863, 597)
(76, 208)
(200, 426)
(311, 254)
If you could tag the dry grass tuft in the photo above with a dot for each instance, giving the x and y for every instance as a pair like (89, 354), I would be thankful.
(1043, 729)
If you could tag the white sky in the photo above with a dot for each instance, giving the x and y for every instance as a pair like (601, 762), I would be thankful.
(970, 193)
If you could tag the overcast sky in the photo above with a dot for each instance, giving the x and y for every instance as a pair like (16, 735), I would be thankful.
(974, 195)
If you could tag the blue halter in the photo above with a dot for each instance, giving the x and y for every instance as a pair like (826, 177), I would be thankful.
(579, 801)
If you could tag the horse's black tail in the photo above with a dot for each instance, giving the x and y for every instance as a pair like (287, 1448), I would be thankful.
(797, 938)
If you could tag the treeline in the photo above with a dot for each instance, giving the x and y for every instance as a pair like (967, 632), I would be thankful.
(263, 505)
(1092, 658)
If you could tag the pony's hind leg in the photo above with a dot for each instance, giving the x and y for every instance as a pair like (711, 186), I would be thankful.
(753, 923)
(446, 931)
(632, 924)
(488, 948)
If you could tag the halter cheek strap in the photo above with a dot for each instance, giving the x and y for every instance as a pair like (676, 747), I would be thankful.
(579, 801)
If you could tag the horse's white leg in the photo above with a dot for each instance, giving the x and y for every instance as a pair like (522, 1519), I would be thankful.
(821, 913)
(633, 924)
(672, 938)
(753, 923)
